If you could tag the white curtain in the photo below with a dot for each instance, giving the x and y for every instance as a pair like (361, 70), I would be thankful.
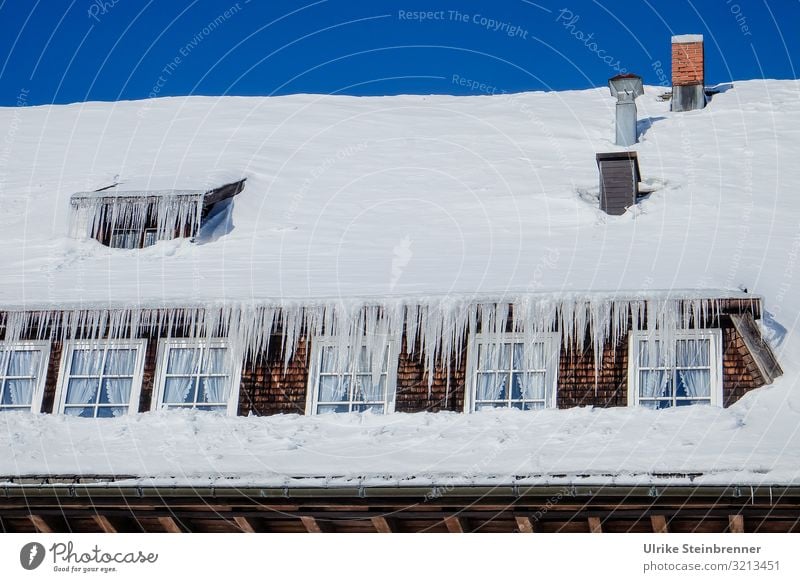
(183, 363)
(333, 387)
(80, 391)
(492, 385)
(83, 390)
(214, 389)
(694, 354)
(21, 363)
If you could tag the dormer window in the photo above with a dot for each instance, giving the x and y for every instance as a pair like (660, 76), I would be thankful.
(128, 219)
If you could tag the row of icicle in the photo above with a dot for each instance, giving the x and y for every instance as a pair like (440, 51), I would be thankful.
(434, 331)
(168, 213)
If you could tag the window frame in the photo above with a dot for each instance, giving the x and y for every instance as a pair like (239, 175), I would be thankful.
(41, 374)
(714, 335)
(234, 371)
(552, 346)
(318, 343)
(67, 349)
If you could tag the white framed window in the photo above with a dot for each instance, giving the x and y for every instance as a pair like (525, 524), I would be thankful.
(510, 372)
(679, 369)
(100, 378)
(340, 380)
(23, 371)
(197, 373)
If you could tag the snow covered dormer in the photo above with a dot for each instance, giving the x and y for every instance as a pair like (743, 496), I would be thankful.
(132, 219)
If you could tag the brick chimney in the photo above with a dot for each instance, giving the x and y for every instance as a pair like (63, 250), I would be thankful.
(688, 73)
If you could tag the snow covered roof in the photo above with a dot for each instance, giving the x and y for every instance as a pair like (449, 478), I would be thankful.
(412, 198)
(402, 196)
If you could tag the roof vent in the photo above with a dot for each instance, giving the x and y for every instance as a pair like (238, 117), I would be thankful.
(626, 88)
(619, 181)
(688, 72)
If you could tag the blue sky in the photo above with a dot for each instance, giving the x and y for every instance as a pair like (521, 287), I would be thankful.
(62, 51)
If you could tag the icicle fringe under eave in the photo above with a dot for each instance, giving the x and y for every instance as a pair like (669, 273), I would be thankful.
(434, 330)
(171, 214)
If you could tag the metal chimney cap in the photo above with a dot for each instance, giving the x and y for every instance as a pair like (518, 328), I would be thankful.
(623, 87)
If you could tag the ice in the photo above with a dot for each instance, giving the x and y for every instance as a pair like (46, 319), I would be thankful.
(171, 212)
(435, 330)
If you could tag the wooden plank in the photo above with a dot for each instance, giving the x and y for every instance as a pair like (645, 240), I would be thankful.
(524, 524)
(453, 524)
(104, 524)
(244, 524)
(381, 525)
(595, 525)
(736, 523)
(659, 523)
(169, 525)
(762, 354)
(41, 524)
(310, 524)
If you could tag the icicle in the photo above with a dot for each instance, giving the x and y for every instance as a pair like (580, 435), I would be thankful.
(171, 212)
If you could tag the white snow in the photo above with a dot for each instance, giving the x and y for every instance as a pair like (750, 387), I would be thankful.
(416, 198)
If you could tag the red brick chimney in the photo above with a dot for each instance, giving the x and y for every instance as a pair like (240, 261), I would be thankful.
(688, 72)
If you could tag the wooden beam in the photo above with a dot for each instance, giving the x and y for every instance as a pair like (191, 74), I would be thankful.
(169, 525)
(311, 524)
(736, 523)
(453, 524)
(41, 524)
(104, 524)
(524, 524)
(594, 525)
(381, 525)
(244, 524)
(659, 523)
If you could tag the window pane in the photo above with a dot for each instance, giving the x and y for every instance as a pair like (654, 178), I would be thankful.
(23, 363)
(693, 383)
(78, 411)
(116, 391)
(652, 354)
(323, 409)
(215, 361)
(86, 362)
(82, 390)
(332, 389)
(693, 353)
(691, 402)
(374, 408)
(531, 386)
(179, 390)
(120, 362)
(533, 406)
(125, 239)
(489, 387)
(654, 383)
(487, 357)
(213, 390)
(150, 237)
(505, 357)
(328, 359)
(18, 392)
(111, 411)
(370, 391)
(183, 360)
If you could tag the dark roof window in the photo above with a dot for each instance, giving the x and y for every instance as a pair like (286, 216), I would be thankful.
(136, 219)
